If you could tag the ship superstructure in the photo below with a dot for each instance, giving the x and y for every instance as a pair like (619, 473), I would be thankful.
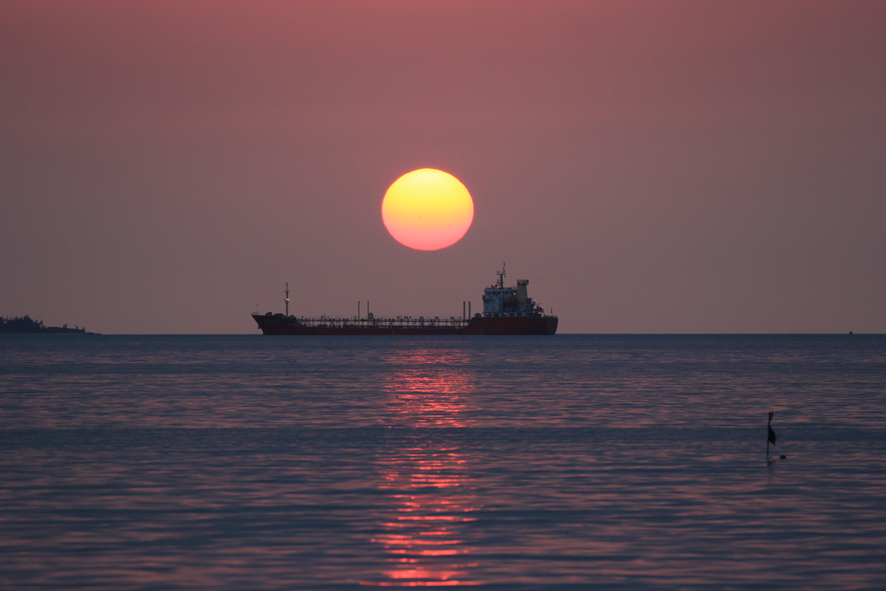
(509, 302)
(506, 311)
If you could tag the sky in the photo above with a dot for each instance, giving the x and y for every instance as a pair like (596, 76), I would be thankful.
(650, 167)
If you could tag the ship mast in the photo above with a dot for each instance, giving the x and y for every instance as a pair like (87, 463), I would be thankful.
(501, 277)
(287, 299)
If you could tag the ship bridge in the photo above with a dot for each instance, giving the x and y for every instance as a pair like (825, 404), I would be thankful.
(500, 301)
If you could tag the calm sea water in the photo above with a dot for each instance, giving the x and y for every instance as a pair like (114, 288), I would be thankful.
(566, 462)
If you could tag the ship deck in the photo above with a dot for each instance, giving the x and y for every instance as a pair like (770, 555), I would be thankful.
(401, 322)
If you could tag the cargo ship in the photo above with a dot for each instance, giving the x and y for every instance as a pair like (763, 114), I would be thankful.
(506, 311)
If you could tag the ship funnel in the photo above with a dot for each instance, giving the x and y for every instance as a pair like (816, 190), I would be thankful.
(521, 290)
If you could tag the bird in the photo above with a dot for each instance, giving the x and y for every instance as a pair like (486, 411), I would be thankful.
(772, 438)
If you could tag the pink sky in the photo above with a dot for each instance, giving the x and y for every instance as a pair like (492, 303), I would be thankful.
(648, 166)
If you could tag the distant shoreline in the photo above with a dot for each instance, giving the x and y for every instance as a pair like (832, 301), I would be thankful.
(27, 325)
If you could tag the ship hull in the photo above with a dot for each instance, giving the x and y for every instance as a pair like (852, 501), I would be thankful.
(519, 325)
(281, 325)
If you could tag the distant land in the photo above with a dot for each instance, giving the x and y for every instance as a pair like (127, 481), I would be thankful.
(26, 325)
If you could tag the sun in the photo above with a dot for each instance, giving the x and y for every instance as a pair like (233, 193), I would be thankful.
(427, 209)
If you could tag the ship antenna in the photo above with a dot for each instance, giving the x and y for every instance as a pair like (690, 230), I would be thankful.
(287, 299)
(501, 276)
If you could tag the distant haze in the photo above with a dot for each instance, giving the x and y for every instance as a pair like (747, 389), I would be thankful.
(649, 166)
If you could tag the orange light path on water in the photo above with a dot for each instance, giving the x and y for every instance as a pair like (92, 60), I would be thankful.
(433, 499)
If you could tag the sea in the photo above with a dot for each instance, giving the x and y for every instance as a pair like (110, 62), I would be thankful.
(562, 462)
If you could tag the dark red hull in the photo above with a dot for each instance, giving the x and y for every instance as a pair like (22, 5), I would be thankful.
(280, 325)
(512, 326)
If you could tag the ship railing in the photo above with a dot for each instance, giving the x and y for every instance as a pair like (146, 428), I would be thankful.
(394, 323)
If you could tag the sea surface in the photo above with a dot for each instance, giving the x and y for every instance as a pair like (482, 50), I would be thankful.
(565, 462)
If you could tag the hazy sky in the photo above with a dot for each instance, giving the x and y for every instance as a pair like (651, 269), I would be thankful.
(649, 166)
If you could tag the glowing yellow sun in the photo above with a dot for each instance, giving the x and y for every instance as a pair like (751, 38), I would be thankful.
(427, 209)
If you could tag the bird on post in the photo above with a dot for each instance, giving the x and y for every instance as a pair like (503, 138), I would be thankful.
(771, 438)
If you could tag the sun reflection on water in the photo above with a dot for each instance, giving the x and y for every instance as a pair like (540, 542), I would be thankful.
(424, 533)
